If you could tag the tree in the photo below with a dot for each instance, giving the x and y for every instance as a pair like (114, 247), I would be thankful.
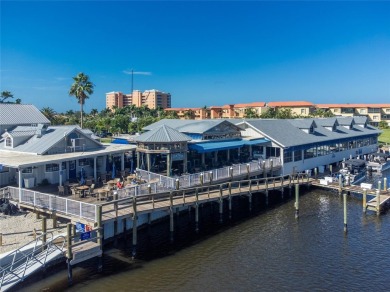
(50, 114)
(5, 95)
(383, 125)
(189, 114)
(250, 113)
(81, 88)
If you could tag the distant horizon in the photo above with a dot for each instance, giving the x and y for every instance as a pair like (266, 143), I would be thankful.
(202, 53)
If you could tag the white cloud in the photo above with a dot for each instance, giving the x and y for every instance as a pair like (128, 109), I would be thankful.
(129, 72)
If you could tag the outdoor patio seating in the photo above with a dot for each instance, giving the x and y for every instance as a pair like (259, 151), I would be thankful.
(90, 192)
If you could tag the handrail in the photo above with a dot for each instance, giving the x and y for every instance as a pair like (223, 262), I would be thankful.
(48, 246)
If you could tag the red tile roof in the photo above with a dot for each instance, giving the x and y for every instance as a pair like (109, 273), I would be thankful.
(289, 103)
(252, 104)
(353, 105)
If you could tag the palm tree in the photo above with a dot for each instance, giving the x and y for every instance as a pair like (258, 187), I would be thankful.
(5, 95)
(50, 114)
(81, 88)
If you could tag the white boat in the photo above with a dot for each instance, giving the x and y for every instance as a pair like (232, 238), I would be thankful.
(378, 162)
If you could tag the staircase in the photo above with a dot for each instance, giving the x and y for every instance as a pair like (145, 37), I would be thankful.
(24, 263)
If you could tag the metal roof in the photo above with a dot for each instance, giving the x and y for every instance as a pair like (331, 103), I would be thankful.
(286, 134)
(163, 134)
(188, 126)
(16, 159)
(40, 145)
(20, 114)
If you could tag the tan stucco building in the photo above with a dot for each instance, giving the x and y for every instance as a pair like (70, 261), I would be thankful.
(151, 98)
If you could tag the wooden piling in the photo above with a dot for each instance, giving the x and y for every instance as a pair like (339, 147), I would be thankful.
(315, 172)
(378, 202)
(266, 192)
(230, 200)
(211, 177)
(54, 219)
(134, 252)
(220, 205)
(296, 201)
(364, 201)
(271, 163)
(196, 210)
(248, 171)
(385, 184)
(1, 239)
(331, 169)
(44, 230)
(345, 212)
(264, 170)
(69, 253)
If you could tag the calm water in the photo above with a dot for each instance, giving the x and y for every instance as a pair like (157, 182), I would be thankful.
(268, 250)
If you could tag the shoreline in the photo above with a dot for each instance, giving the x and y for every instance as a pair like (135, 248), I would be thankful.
(17, 229)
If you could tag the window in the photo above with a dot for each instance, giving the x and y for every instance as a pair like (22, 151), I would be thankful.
(362, 111)
(375, 118)
(52, 167)
(287, 156)
(303, 111)
(4, 169)
(374, 110)
(8, 142)
(297, 155)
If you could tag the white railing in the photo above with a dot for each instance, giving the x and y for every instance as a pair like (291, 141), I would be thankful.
(190, 180)
(53, 203)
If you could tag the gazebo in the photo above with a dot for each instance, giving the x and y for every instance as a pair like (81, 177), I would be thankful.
(162, 143)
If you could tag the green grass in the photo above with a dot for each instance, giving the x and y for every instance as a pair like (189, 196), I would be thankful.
(384, 138)
(106, 140)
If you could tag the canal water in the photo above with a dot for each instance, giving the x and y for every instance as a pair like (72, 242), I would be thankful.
(265, 250)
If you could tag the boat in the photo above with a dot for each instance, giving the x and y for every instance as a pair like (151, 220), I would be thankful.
(353, 171)
(378, 162)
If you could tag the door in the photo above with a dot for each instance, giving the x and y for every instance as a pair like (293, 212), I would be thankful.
(72, 169)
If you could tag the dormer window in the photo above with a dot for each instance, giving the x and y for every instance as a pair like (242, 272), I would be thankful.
(8, 142)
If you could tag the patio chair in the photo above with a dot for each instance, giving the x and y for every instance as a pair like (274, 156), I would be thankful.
(61, 190)
(90, 191)
(75, 192)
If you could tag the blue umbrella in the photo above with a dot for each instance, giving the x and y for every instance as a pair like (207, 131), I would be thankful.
(113, 170)
(82, 175)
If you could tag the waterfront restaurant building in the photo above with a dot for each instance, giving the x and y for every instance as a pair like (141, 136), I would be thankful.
(33, 151)
(299, 144)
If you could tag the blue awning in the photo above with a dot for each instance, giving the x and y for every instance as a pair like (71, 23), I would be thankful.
(214, 146)
(119, 141)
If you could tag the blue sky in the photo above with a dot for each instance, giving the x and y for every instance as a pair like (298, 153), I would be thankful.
(203, 53)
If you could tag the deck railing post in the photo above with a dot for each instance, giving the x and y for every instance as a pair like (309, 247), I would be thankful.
(385, 184)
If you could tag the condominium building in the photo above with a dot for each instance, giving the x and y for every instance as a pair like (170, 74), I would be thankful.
(190, 113)
(230, 111)
(300, 108)
(151, 98)
(374, 112)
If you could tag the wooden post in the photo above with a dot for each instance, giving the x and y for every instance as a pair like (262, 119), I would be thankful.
(134, 252)
(272, 167)
(250, 201)
(99, 234)
(177, 184)
(220, 204)
(296, 201)
(211, 177)
(201, 179)
(266, 192)
(340, 183)
(315, 172)
(44, 230)
(69, 253)
(331, 169)
(378, 202)
(264, 170)
(231, 173)
(54, 219)
(196, 211)
(345, 212)
(248, 170)
(385, 184)
(171, 222)
(282, 186)
(1, 239)
(364, 201)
